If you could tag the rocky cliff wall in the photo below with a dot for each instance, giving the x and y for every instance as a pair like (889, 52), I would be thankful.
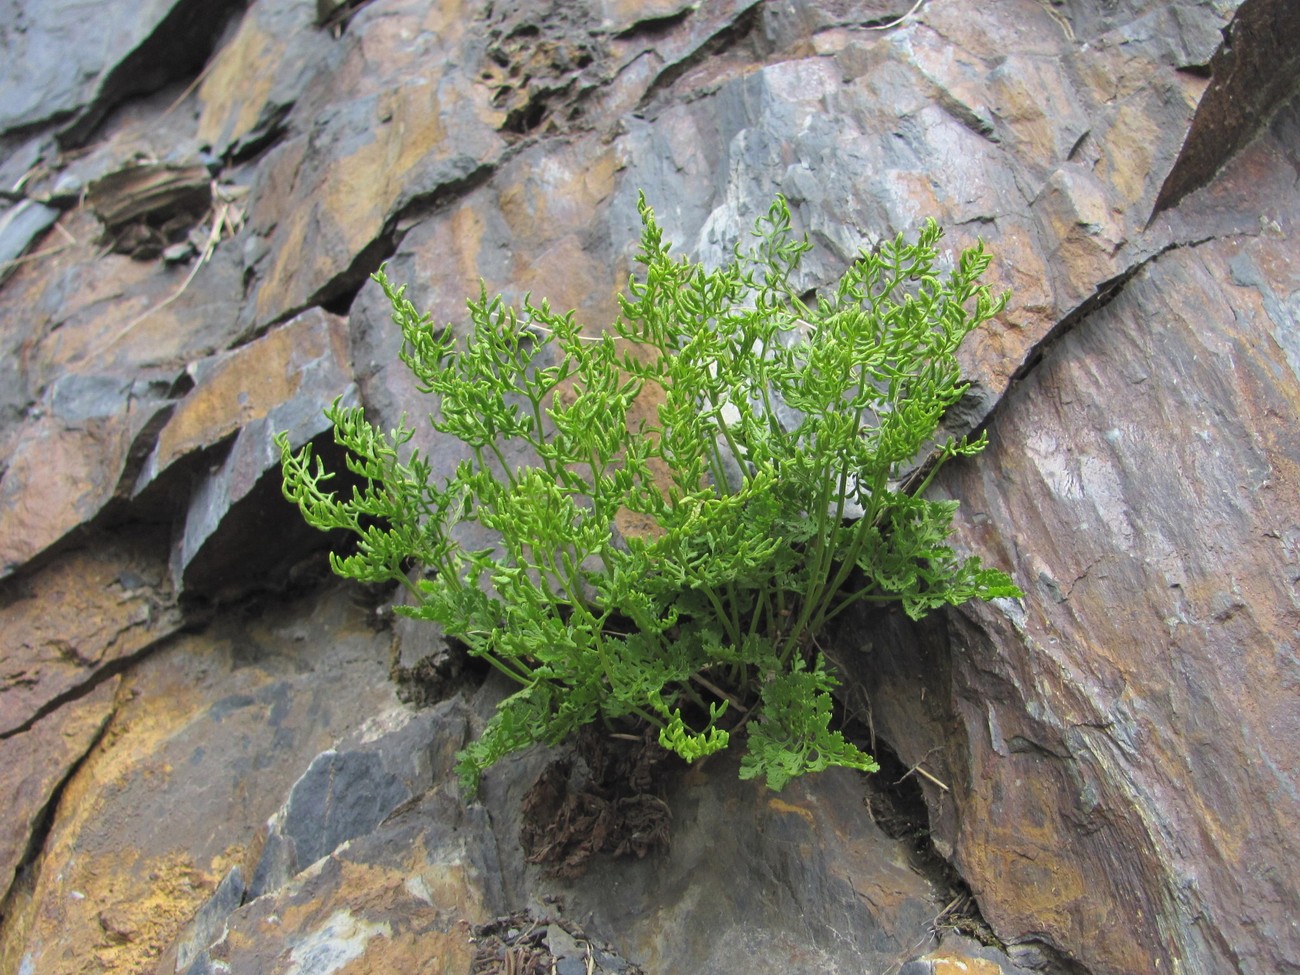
(205, 766)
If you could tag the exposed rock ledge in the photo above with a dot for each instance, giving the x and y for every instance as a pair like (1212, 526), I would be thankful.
(205, 767)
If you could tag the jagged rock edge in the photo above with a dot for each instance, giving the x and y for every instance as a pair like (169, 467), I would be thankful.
(86, 119)
(1102, 296)
(1207, 148)
(44, 821)
(727, 36)
(654, 25)
(347, 283)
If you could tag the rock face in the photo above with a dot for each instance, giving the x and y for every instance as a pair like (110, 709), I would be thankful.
(206, 768)
(1167, 601)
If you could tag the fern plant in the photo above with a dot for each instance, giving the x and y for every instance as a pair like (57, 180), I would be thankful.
(768, 471)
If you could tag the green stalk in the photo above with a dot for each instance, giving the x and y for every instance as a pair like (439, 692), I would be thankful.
(822, 557)
(870, 519)
(849, 559)
(505, 467)
(500, 665)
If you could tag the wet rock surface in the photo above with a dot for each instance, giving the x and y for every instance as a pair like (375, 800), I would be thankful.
(204, 765)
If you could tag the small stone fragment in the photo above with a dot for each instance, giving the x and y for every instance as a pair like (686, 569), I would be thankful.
(149, 191)
(20, 225)
(178, 253)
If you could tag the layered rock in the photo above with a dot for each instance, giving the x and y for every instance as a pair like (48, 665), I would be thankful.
(1140, 704)
(1158, 657)
(1109, 764)
(205, 738)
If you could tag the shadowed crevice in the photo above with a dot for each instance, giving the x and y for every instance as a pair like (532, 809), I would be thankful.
(731, 35)
(176, 50)
(1255, 71)
(1104, 293)
(655, 27)
(28, 864)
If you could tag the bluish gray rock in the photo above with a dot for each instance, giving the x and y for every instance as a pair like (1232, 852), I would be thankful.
(68, 64)
(20, 225)
(348, 791)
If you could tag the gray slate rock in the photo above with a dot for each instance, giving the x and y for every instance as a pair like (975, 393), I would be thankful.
(69, 62)
(20, 225)
(348, 791)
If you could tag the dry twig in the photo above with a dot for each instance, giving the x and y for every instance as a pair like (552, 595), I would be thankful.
(47, 252)
(894, 23)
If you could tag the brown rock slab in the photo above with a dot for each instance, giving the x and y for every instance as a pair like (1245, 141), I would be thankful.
(384, 139)
(70, 460)
(57, 478)
(83, 613)
(538, 228)
(306, 358)
(210, 734)
(1126, 724)
(35, 762)
(365, 155)
(255, 79)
